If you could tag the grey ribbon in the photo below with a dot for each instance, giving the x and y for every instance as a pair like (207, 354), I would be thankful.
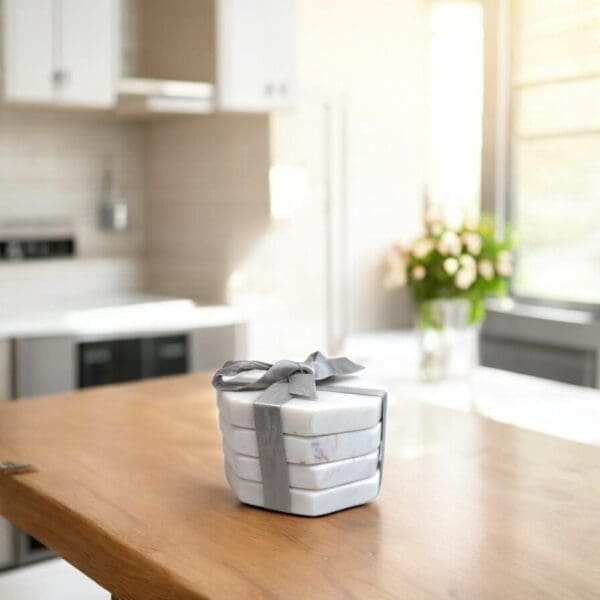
(283, 381)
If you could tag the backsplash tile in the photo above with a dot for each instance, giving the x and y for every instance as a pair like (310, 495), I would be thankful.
(51, 167)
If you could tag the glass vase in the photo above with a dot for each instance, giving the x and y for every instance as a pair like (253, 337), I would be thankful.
(448, 342)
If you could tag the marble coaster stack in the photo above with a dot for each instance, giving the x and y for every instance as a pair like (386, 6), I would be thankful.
(332, 447)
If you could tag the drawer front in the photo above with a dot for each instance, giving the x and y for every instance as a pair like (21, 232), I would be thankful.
(111, 361)
(165, 356)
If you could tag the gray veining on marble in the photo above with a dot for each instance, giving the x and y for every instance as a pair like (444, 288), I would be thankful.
(332, 412)
(311, 503)
(307, 450)
(312, 477)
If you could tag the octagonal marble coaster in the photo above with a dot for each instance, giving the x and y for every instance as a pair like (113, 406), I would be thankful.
(331, 412)
(311, 477)
(307, 450)
(310, 503)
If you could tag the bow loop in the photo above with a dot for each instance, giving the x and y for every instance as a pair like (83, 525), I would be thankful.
(302, 377)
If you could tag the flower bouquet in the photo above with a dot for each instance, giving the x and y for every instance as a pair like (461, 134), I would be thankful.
(451, 269)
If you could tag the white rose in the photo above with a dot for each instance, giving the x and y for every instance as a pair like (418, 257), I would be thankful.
(486, 269)
(504, 263)
(504, 269)
(464, 278)
(418, 272)
(468, 262)
(449, 243)
(451, 265)
(472, 241)
(422, 247)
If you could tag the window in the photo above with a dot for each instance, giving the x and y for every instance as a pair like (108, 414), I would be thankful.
(553, 140)
(455, 104)
(555, 148)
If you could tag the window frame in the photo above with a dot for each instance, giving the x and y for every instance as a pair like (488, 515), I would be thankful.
(497, 185)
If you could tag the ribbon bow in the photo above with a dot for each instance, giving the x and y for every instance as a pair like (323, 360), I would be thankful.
(302, 377)
(281, 382)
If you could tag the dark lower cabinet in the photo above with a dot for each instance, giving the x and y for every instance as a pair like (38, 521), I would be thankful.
(164, 356)
(113, 361)
(119, 361)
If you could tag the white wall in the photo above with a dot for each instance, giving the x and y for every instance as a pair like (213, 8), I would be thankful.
(353, 154)
(282, 280)
(370, 55)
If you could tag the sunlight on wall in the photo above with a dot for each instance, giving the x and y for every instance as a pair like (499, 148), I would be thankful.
(346, 180)
(455, 101)
(288, 191)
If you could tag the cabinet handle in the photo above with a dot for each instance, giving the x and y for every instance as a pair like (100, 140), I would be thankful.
(269, 89)
(60, 77)
(283, 89)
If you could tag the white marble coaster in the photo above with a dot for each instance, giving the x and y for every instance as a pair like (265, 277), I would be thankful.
(307, 450)
(311, 477)
(311, 503)
(332, 412)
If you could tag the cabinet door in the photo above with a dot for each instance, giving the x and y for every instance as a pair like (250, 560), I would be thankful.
(5, 370)
(110, 361)
(166, 355)
(7, 552)
(28, 50)
(87, 34)
(255, 54)
(43, 366)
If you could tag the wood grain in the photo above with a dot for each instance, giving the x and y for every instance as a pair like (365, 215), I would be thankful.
(130, 490)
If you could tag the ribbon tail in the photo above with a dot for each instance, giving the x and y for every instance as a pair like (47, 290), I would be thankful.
(271, 447)
(331, 367)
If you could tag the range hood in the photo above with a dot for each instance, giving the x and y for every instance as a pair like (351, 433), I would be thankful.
(164, 96)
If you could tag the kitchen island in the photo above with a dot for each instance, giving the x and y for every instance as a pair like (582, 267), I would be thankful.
(130, 489)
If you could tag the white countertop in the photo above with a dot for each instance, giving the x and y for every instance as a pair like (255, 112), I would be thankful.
(130, 313)
(559, 409)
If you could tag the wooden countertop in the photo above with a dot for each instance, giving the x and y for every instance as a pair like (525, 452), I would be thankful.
(130, 490)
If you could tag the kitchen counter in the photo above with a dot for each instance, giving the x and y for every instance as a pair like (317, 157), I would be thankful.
(112, 315)
(559, 409)
(130, 489)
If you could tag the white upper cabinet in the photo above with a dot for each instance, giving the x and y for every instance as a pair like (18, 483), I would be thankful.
(255, 54)
(68, 52)
(87, 55)
(61, 51)
(28, 50)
